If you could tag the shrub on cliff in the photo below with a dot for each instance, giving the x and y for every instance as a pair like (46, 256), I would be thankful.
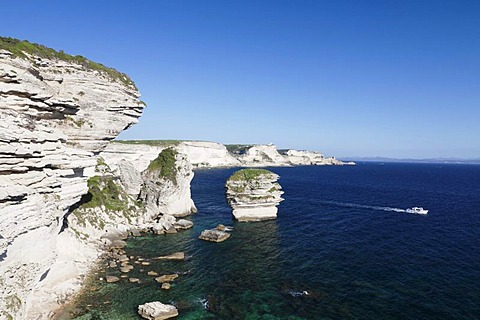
(164, 164)
(248, 174)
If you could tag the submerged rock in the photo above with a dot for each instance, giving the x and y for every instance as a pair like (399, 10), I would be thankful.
(173, 256)
(214, 235)
(166, 278)
(157, 311)
(254, 194)
(111, 279)
(166, 286)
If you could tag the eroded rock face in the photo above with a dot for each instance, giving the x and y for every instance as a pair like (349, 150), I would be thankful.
(262, 156)
(254, 194)
(208, 154)
(56, 116)
(166, 185)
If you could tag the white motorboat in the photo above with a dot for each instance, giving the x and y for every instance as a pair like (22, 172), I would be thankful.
(417, 210)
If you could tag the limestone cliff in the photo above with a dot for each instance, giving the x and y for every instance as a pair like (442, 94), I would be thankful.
(254, 194)
(57, 112)
(138, 164)
(263, 156)
(166, 185)
(212, 155)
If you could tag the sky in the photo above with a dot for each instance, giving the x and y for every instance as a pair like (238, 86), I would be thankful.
(346, 78)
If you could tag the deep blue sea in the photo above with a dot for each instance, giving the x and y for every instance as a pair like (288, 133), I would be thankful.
(341, 248)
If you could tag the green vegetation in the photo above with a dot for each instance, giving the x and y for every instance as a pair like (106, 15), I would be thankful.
(102, 166)
(248, 174)
(154, 143)
(238, 148)
(20, 47)
(164, 164)
(276, 186)
(104, 193)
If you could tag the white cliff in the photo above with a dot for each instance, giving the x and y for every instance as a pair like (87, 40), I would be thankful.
(212, 155)
(263, 156)
(56, 115)
(254, 194)
(131, 163)
(311, 158)
(208, 154)
(166, 185)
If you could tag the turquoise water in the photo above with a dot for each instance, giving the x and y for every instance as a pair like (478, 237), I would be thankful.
(341, 236)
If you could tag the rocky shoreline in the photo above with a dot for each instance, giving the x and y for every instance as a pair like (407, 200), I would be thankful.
(66, 191)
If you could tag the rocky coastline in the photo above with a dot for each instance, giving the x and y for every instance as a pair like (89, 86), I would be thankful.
(203, 154)
(68, 196)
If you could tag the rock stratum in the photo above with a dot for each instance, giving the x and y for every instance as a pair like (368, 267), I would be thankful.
(57, 113)
(254, 194)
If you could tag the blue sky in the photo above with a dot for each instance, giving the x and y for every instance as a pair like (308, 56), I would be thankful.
(347, 78)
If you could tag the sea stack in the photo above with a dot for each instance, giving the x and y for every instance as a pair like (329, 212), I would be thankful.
(254, 194)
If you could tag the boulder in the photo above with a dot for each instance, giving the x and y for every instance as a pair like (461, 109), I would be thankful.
(157, 311)
(111, 279)
(214, 235)
(166, 278)
(166, 286)
(183, 224)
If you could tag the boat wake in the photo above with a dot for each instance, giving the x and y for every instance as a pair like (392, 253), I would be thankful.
(355, 205)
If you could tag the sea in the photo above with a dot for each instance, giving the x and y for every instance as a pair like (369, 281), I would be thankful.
(342, 247)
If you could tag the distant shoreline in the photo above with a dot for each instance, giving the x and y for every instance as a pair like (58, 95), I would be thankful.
(425, 161)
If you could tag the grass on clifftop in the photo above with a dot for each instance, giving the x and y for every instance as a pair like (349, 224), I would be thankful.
(153, 143)
(248, 174)
(20, 47)
(165, 165)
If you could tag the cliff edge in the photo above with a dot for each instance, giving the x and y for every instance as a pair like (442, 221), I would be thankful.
(58, 112)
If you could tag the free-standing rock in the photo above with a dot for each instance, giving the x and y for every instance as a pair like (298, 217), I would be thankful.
(157, 311)
(214, 235)
(254, 194)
